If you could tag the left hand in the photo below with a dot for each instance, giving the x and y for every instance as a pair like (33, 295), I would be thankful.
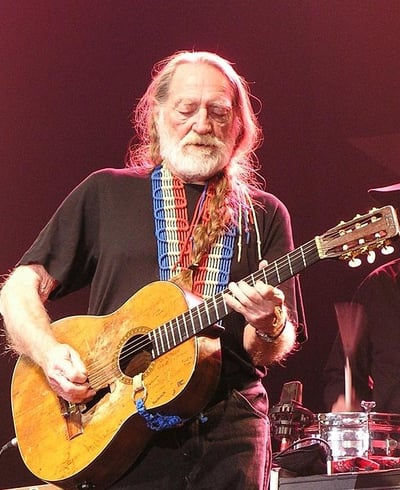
(256, 303)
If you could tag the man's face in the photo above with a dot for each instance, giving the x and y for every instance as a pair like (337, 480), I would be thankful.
(196, 124)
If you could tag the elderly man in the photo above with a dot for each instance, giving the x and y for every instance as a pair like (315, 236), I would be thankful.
(186, 209)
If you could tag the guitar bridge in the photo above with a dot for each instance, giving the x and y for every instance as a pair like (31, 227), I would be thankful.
(72, 414)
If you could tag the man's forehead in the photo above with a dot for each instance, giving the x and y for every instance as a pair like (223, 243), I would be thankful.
(192, 81)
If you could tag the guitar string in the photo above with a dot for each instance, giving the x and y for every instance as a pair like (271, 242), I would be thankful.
(100, 370)
(101, 375)
(141, 342)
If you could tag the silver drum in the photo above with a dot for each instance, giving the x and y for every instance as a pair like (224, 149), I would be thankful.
(351, 434)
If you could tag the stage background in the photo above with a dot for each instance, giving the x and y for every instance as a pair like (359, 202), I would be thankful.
(327, 74)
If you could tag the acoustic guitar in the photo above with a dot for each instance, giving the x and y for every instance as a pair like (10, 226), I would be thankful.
(153, 358)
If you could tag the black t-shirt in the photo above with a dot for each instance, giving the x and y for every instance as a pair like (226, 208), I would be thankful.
(102, 235)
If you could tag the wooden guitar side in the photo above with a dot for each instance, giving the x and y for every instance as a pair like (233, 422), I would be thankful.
(113, 435)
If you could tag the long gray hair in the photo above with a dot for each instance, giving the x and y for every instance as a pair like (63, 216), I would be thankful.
(232, 189)
(144, 151)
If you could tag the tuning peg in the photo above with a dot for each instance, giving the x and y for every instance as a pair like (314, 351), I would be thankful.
(387, 250)
(354, 262)
(371, 257)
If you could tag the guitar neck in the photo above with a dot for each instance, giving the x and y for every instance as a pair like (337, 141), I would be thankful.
(200, 317)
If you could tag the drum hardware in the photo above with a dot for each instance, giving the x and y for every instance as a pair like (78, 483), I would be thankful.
(368, 406)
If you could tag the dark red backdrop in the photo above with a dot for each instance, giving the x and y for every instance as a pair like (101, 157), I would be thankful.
(327, 73)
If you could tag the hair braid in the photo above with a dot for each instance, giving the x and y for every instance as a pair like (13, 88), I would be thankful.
(218, 215)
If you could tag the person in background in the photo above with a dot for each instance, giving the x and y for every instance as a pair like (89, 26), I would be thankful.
(187, 208)
(375, 363)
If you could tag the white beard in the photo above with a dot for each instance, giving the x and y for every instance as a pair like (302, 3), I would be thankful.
(195, 158)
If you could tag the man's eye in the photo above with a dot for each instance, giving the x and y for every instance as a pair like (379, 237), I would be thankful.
(220, 113)
(186, 110)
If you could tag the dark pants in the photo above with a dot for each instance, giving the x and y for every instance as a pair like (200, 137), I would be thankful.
(229, 450)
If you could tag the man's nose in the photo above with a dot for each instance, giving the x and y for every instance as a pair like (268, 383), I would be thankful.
(202, 123)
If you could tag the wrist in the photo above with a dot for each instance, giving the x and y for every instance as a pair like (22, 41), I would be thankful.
(278, 324)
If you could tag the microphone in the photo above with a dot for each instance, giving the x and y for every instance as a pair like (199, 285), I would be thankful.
(289, 417)
(12, 443)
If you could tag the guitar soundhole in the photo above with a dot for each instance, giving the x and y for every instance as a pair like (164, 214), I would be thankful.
(135, 356)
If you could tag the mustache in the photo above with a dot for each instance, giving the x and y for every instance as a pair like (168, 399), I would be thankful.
(206, 139)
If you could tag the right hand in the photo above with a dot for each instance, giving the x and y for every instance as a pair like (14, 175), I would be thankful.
(67, 374)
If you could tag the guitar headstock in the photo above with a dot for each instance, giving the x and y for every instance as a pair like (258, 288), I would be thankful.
(362, 235)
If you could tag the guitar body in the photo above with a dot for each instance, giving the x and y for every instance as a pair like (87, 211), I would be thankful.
(96, 445)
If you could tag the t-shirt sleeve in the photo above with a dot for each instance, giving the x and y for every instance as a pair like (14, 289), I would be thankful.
(278, 241)
(66, 246)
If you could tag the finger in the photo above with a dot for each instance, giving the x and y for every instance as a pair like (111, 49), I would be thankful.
(70, 391)
(79, 373)
(245, 293)
(264, 290)
(262, 264)
(234, 303)
(270, 293)
(279, 295)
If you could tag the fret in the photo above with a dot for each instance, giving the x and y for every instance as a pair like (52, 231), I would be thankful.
(226, 309)
(185, 324)
(215, 306)
(272, 277)
(290, 265)
(218, 311)
(264, 275)
(174, 342)
(180, 328)
(162, 337)
(202, 319)
(277, 272)
(155, 342)
(202, 324)
(166, 332)
(151, 338)
(285, 270)
(303, 256)
(207, 310)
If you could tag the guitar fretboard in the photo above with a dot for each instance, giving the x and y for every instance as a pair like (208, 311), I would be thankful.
(198, 318)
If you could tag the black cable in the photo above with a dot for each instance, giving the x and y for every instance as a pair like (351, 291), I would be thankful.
(329, 456)
(300, 441)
